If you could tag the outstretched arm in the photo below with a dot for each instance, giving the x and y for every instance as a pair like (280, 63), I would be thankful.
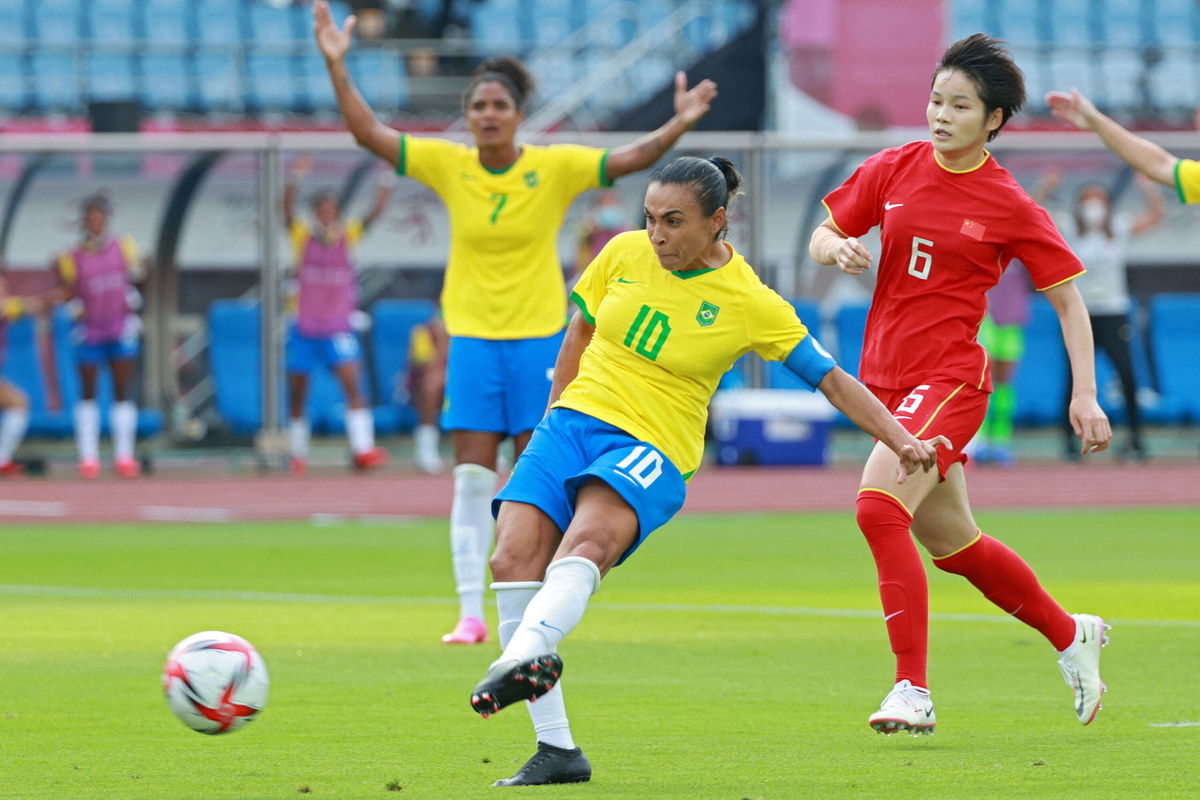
(367, 130)
(1087, 418)
(295, 175)
(690, 106)
(1153, 214)
(1141, 154)
(383, 193)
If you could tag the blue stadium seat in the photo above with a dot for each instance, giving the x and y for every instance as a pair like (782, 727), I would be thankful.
(1072, 23)
(57, 22)
(1124, 23)
(235, 358)
(1041, 379)
(496, 28)
(23, 366)
(391, 329)
(268, 23)
(66, 371)
(1177, 22)
(1173, 81)
(217, 82)
(381, 77)
(166, 81)
(1024, 22)
(112, 21)
(167, 22)
(55, 80)
(111, 76)
(554, 21)
(219, 22)
(779, 376)
(1174, 341)
(315, 84)
(1074, 69)
(1121, 70)
(14, 93)
(270, 81)
(14, 28)
(850, 324)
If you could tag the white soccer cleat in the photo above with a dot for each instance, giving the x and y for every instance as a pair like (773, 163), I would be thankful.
(906, 708)
(1080, 665)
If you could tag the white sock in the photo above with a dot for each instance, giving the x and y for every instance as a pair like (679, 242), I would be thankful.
(471, 534)
(549, 714)
(123, 419)
(87, 430)
(12, 430)
(555, 610)
(360, 429)
(298, 435)
(425, 439)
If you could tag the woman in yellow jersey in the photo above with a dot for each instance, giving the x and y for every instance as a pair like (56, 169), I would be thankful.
(1142, 154)
(504, 301)
(662, 314)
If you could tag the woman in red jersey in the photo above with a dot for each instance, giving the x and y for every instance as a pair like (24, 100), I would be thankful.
(951, 219)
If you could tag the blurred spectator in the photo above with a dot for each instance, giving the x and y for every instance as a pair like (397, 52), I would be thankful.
(604, 219)
(13, 402)
(1100, 238)
(428, 348)
(1003, 335)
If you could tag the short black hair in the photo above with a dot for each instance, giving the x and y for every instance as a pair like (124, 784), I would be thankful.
(714, 181)
(508, 72)
(991, 69)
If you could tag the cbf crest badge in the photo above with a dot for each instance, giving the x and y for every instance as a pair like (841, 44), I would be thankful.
(531, 179)
(707, 314)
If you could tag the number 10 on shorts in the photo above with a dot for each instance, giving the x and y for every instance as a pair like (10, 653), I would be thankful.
(645, 471)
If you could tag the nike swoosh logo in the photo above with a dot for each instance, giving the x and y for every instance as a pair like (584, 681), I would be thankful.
(545, 624)
(622, 280)
(894, 613)
(890, 206)
(928, 713)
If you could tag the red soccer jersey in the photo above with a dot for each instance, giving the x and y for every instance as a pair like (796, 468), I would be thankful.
(946, 238)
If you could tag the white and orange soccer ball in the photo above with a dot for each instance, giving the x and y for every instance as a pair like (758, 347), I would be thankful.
(215, 682)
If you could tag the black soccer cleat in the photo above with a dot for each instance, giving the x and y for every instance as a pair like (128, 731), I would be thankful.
(551, 764)
(512, 681)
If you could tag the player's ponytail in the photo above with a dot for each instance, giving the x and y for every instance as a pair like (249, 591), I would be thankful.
(714, 181)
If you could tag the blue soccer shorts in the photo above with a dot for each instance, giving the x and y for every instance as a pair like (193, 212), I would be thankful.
(498, 385)
(568, 448)
(96, 353)
(306, 353)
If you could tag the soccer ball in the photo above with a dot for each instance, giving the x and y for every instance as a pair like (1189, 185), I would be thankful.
(215, 682)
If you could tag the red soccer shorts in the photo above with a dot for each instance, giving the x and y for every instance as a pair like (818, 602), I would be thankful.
(938, 407)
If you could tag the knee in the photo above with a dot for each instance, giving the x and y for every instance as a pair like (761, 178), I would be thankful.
(515, 560)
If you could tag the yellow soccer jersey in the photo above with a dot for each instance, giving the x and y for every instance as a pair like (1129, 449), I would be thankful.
(663, 340)
(503, 278)
(1187, 180)
(300, 231)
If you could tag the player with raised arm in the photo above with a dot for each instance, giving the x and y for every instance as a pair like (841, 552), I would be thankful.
(327, 296)
(1182, 174)
(662, 315)
(951, 219)
(504, 300)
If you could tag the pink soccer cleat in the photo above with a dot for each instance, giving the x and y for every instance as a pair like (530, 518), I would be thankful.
(370, 459)
(469, 630)
(127, 468)
(89, 469)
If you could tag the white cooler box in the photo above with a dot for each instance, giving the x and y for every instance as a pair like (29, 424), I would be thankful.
(771, 426)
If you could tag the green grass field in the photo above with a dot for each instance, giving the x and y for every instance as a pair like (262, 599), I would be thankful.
(733, 657)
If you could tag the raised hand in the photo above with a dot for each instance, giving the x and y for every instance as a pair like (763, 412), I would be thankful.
(333, 43)
(692, 104)
(1072, 107)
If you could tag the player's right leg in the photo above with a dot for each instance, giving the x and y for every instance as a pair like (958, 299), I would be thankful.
(87, 412)
(299, 358)
(14, 404)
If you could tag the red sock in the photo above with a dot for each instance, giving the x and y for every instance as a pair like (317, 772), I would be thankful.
(1006, 580)
(903, 587)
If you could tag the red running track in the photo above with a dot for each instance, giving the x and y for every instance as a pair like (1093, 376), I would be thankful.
(399, 494)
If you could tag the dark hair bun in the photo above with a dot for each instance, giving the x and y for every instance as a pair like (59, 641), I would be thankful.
(512, 69)
(733, 178)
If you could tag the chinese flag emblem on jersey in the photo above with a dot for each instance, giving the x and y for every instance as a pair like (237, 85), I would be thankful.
(972, 229)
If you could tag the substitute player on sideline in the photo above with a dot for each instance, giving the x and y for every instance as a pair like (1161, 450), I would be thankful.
(101, 271)
(1183, 174)
(663, 314)
(14, 403)
(951, 220)
(327, 297)
(504, 301)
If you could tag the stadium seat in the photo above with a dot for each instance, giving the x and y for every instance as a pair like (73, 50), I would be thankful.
(779, 376)
(23, 366)
(14, 93)
(1174, 342)
(850, 324)
(1121, 71)
(13, 22)
(167, 22)
(1173, 82)
(166, 82)
(66, 371)
(217, 82)
(1041, 379)
(1123, 24)
(57, 22)
(1024, 22)
(111, 76)
(219, 22)
(1072, 23)
(1074, 69)
(392, 323)
(270, 81)
(55, 80)
(1177, 22)
(381, 77)
(315, 84)
(496, 28)
(235, 358)
(112, 22)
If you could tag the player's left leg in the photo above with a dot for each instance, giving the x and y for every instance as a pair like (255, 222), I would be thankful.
(342, 357)
(945, 526)
(123, 416)
(15, 407)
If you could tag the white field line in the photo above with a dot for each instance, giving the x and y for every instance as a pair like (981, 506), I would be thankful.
(33, 508)
(1174, 725)
(22, 590)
